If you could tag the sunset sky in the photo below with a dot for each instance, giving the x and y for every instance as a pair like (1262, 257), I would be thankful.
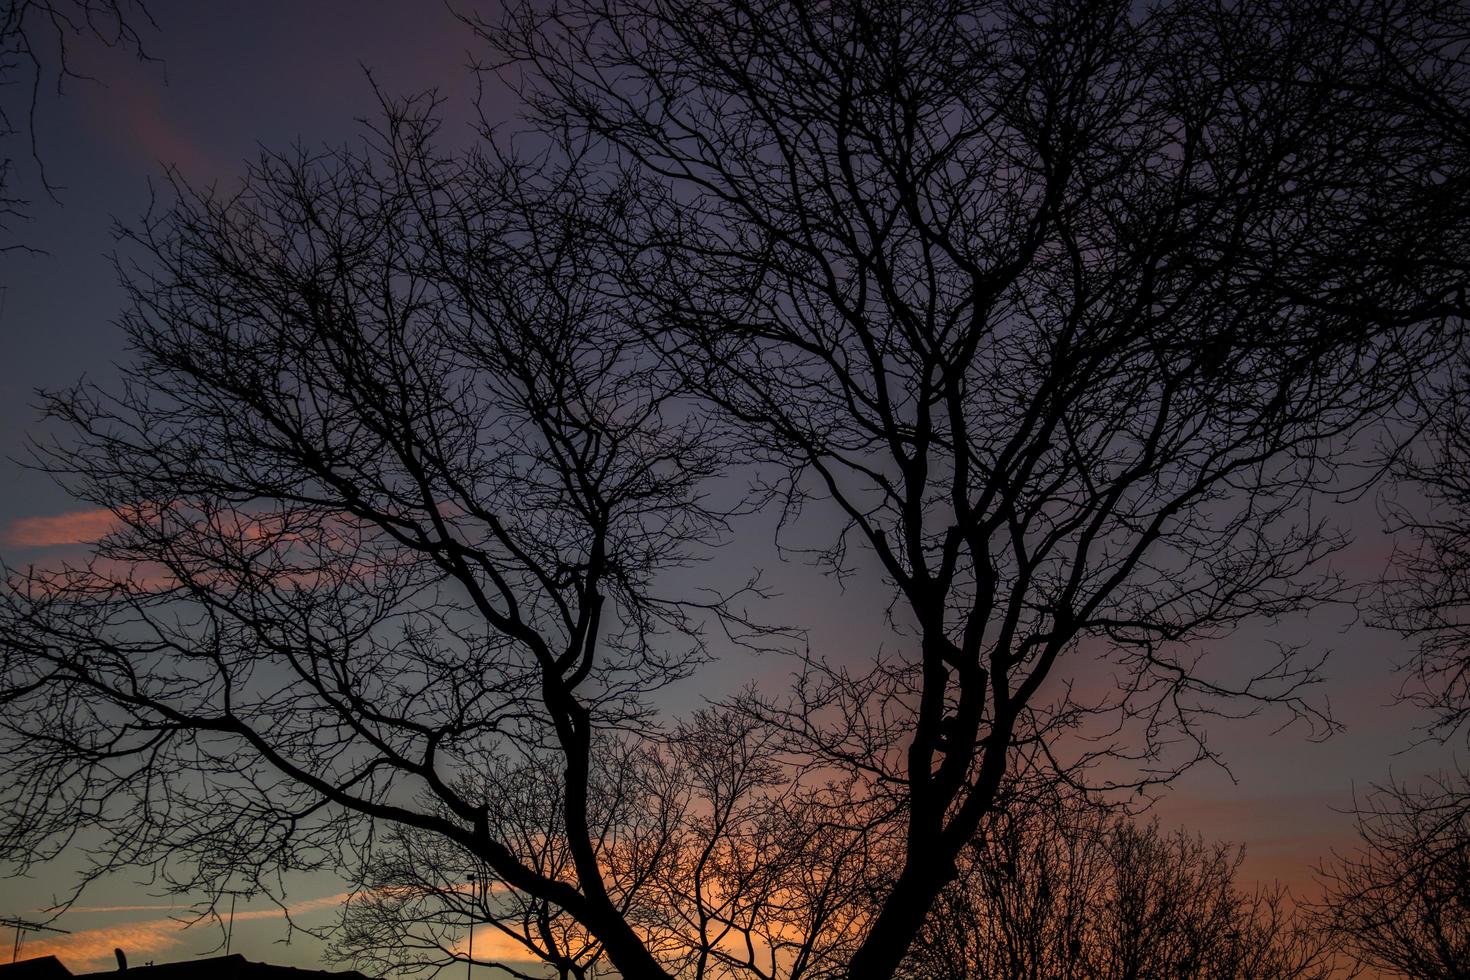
(232, 77)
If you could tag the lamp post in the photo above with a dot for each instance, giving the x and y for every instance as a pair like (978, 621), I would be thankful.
(469, 964)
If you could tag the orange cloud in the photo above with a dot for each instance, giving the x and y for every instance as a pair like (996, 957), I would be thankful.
(492, 944)
(91, 949)
(88, 949)
(77, 527)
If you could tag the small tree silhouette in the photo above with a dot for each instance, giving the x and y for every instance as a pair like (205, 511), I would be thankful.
(1400, 901)
(1069, 890)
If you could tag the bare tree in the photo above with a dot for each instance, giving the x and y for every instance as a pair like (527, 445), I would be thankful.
(36, 50)
(1067, 890)
(1072, 313)
(393, 489)
(1400, 902)
(1069, 313)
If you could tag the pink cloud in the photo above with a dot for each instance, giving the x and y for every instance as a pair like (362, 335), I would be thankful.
(131, 110)
(77, 527)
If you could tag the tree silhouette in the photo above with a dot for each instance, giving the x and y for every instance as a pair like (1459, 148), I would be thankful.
(393, 488)
(1070, 315)
(1073, 891)
(741, 872)
(1400, 901)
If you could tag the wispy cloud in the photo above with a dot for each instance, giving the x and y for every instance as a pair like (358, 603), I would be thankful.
(131, 110)
(294, 909)
(76, 527)
(89, 949)
(493, 945)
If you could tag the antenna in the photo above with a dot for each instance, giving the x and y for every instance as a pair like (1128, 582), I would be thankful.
(469, 963)
(235, 894)
(23, 926)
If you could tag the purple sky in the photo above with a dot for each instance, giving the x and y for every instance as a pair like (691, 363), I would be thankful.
(233, 77)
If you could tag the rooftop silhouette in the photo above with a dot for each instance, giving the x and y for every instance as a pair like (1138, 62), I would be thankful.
(231, 967)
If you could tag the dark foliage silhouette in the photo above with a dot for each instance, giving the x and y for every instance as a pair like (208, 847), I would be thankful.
(1068, 315)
